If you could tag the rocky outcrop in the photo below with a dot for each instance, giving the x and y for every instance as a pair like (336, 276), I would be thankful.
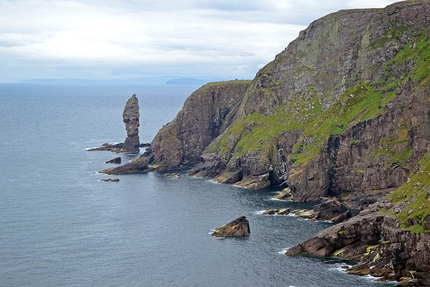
(375, 240)
(328, 210)
(137, 165)
(285, 194)
(307, 120)
(116, 147)
(271, 211)
(116, 160)
(130, 117)
(206, 114)
(236, 228)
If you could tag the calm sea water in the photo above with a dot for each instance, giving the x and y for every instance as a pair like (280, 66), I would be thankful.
(61, 226)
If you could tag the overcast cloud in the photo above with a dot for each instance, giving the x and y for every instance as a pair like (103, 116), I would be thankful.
(113, 39)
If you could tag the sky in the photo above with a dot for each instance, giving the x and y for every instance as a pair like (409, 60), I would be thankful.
(153, 39)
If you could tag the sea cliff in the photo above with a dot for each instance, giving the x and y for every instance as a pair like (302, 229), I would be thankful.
(342, 112)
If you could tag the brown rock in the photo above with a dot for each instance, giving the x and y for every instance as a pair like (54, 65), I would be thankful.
(237, 227)
(137, 165)
(285, 194)
(332, 210)
(130, 117)
(115, 160)
(206, 114)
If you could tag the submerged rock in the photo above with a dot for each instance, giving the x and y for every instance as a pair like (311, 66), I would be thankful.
(110, 180)
(116, 147)
(235, 228)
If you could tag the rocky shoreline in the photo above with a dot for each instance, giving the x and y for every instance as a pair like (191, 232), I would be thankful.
(342, 113)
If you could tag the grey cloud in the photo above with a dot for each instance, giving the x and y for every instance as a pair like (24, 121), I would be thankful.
(125, 38)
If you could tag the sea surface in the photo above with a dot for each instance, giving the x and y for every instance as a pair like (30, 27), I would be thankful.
(61, 226)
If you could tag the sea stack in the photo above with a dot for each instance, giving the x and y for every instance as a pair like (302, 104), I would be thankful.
(131, 119)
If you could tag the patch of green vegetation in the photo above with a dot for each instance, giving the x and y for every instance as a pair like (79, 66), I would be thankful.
(256, 131)
(398, 29)
(341, 233)
(358, 103)
(396, 151)
(232, 82)
(415, 192)
(339, 252)
(366, 100)
(369, 248)
(418, 51)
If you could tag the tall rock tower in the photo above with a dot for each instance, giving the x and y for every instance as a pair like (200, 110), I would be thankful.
(131, 119)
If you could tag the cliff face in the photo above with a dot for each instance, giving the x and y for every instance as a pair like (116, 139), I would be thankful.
(342, 109)
(205, 115)
(342, 112)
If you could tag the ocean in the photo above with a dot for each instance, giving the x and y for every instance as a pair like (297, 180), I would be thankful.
(61, 226)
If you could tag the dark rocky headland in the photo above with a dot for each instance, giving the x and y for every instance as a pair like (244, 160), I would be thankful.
(343, 113)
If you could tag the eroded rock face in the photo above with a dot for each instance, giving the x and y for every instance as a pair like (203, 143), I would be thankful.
(383, 249)
(130, 117)
(235, 228)
(206, 114)
(231, 131)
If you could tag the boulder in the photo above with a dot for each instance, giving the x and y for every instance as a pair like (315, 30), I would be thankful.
(270, 211)
(285, 194)
(284, 211)
(116, 160)
(308, 214)
(235, 228)
(175, 175)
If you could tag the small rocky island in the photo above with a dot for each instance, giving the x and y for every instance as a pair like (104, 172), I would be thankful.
(236, 228)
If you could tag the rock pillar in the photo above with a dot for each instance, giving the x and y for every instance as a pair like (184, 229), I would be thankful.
(131, 119)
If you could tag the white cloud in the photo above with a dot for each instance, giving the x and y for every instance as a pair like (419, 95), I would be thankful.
(113, 38)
